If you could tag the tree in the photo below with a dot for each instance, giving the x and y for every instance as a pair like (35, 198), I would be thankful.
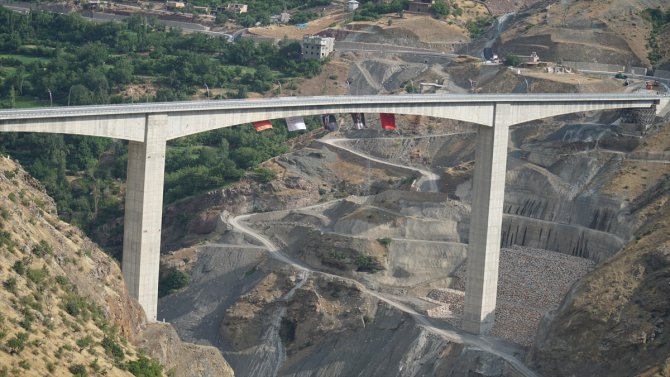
(440, 8)
(512, 60)
(12, 98)
(122, 73)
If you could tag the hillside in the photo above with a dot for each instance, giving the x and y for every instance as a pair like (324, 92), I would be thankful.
(610, 32)
(63, 303)
(613, 322)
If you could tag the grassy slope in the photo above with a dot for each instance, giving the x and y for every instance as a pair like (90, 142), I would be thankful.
(68, 297)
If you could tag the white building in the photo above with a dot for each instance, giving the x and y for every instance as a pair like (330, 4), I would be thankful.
(317, 47)
(352, 5)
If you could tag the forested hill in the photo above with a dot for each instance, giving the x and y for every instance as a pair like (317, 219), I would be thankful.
(67, 60)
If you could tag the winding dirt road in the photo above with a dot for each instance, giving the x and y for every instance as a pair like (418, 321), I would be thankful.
(427, 182)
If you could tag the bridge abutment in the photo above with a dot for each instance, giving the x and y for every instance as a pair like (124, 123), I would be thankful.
(143, 214)
(485, 222)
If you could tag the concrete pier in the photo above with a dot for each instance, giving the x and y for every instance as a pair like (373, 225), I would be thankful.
(485, 222)
(143, 215)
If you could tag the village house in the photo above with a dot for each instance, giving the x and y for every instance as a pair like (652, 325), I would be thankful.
(317, 47)
(420, 6)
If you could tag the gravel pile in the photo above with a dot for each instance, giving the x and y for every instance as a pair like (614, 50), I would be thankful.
(531, 283)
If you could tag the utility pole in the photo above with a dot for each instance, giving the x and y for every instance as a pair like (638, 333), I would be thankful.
(68, 95)
(51, 100)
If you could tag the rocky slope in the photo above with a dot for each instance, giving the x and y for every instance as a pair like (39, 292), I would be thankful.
(610, 32)
(64, 308)
(613, 321)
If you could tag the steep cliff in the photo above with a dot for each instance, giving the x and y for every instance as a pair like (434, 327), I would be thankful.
(63, 301)
(64, 308)
(612, 323)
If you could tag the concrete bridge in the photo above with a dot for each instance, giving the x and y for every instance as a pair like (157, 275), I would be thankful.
(147, 127)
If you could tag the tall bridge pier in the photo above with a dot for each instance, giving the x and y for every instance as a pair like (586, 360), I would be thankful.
(143, 214)
(148, 127)
(486, 215)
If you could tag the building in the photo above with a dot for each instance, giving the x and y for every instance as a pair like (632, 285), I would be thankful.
(282, 18)
(317, 47)
(236, 8)
(490, 56)
(533, 59)
(175, 4)
(95, 5)
(352, 5)
(420, 6)
(199, 9)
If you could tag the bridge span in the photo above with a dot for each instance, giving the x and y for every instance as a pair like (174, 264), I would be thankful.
(147, 127)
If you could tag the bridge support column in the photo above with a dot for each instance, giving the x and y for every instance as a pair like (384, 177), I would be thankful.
(485, 222)
(143, 214)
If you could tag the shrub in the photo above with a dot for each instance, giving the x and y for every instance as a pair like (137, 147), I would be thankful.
(384, 241)
(78, 370)
(145, 367)
(10, 285)
(84, 342)
(367, 263)
(172, 281)
(62, 280)
(17, 343)
(42, 249)
(37, 275)
(19, 267)
(112, 348)
(265, 175)
(512, 60)
(74, 305)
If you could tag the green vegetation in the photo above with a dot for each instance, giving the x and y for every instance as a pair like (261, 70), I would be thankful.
(42, 249)
(264, 175)
(658, 20)
(144, 367)
(478, 26)
(17, 343)
(112, 348)
(512, 60)
(384, 241)
(371, 10)
(303, 17)
(261, 10)
(82, 63)
(367, 263)
(78, 370)
(440, 9)
(172, 280)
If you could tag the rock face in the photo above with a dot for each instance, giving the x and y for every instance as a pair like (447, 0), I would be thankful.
(614, 321)
(184, 359)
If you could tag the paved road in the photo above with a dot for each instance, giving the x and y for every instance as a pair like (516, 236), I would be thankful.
(187, 27)
(387, 49)
(325, 101)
